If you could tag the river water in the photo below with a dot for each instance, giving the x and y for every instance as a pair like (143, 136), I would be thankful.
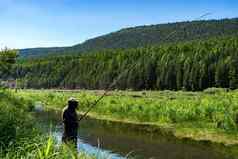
(117, 142)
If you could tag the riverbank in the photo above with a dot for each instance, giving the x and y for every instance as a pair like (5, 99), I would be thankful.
(209, 116)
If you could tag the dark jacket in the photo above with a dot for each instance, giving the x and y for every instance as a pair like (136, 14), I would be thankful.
(70, 121)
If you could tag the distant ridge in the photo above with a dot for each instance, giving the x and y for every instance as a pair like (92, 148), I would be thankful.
(145, 35)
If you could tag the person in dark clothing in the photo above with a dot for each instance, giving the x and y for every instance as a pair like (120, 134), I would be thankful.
(70, 121)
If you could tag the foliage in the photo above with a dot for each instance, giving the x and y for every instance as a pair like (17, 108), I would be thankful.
(7, 59)
(191, 66)
(14, 119)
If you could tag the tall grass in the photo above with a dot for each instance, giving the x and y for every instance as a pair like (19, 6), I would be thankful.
(43, 148)
(14, 119)
(217, 110)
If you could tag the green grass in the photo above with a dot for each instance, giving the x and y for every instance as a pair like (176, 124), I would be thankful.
(42, 148)
(209, 115)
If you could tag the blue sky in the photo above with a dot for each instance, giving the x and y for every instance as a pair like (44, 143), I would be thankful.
(44, 23)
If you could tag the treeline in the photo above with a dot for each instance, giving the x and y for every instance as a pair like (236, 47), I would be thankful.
(143, 36)
(194, 66)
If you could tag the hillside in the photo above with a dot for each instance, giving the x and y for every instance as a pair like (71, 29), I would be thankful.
(194, 65)
(146, 35)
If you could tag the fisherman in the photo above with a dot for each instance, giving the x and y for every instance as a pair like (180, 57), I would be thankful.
(70, 121)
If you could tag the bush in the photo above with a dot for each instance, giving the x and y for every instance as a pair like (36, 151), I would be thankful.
(13, 120)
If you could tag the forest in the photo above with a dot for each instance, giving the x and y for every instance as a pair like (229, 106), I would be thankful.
(190, 66)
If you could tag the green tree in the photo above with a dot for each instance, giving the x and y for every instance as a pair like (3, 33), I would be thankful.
(7, 59)
(233, 73)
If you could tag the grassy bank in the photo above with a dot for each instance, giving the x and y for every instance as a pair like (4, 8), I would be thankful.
(209, 115)
(20, 136)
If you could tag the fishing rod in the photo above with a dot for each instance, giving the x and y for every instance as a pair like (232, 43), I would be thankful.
(184, 26)
(129, 69)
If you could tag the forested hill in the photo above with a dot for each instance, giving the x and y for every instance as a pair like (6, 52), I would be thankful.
(146, 35)
(194, 65)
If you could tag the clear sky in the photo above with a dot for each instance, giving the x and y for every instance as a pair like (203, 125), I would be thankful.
(44, 23)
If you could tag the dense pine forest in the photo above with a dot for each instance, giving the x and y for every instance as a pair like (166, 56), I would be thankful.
(192, 66)
(143, 36)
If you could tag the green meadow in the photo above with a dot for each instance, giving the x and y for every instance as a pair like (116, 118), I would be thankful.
(209, 115)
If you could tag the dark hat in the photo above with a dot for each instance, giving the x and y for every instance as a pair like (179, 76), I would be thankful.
(72, 103)
(72, 99)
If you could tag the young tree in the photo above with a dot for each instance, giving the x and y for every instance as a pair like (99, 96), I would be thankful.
(233, 73)
(7, 59)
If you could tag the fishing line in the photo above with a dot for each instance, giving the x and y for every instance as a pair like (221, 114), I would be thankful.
(184, 26)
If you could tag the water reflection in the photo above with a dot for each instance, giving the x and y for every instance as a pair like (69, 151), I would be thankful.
(86, 147)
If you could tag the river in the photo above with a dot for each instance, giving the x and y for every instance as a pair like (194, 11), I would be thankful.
(117, 142)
